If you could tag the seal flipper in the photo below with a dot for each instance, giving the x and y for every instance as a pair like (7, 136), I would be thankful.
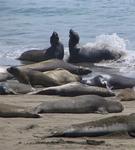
(102, 110)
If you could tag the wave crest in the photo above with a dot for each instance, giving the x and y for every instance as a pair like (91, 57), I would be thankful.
(111, 42)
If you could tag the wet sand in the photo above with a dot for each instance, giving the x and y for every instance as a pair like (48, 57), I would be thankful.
(27, 133)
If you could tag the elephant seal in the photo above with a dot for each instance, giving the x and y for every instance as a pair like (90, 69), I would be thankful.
(54, 64)
(80, 104)
(112, 81)
(85, 54)
(74, 89)
(13, 87)
(126, 95)
(9, 111)
(101, 127)
(46, 79)
(55, 51)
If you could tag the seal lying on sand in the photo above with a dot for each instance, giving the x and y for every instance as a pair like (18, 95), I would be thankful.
(86, 54)
(101, 127)
(9, 111)
(5, 76)
(112, 81)
(55, 51)
(12, 87)
(54, 64)
(74, 89)
(80, 104)
(127, 95)
(46, 79)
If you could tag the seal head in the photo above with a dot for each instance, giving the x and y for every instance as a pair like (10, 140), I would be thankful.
(54, 39)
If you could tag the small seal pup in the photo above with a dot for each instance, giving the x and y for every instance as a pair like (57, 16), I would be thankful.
(54, 64)
(85, 54)
(10, 111)
(55, 51)
(46, 79)
(80, 104)
(112, 81)
(101, 127)
(74, 89)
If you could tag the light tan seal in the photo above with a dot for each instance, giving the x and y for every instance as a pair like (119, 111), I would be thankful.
(101, 127)
(74, 89)
(10, 111)
(54, 64)
(80, 104)
(46, 79)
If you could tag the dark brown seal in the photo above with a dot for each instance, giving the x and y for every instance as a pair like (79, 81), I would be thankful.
(85, 54)
(55, 51)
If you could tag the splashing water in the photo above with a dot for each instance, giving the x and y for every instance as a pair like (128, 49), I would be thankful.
(111, 42)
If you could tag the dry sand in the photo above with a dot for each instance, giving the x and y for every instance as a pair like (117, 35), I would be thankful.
(27, 133)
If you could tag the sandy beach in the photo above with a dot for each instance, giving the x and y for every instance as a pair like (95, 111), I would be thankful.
(28, 134)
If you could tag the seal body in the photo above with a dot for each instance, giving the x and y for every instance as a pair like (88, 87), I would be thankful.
(80, 104)
(62, 76)
(112, 81)
(49, 78)
(9, 111)
(74, 89)
(14, 87)
(55, 51)
(101, 127)
(85, 54)
(54, 64)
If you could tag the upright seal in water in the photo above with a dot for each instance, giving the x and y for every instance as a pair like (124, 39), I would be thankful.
(80, 104)
(84, 54)
(54, 64)
(101, 127)
(55, 51)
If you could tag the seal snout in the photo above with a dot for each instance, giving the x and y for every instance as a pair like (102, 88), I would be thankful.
(12, 69)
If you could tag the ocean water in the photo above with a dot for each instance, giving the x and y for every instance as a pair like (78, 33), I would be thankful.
(28, 24)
